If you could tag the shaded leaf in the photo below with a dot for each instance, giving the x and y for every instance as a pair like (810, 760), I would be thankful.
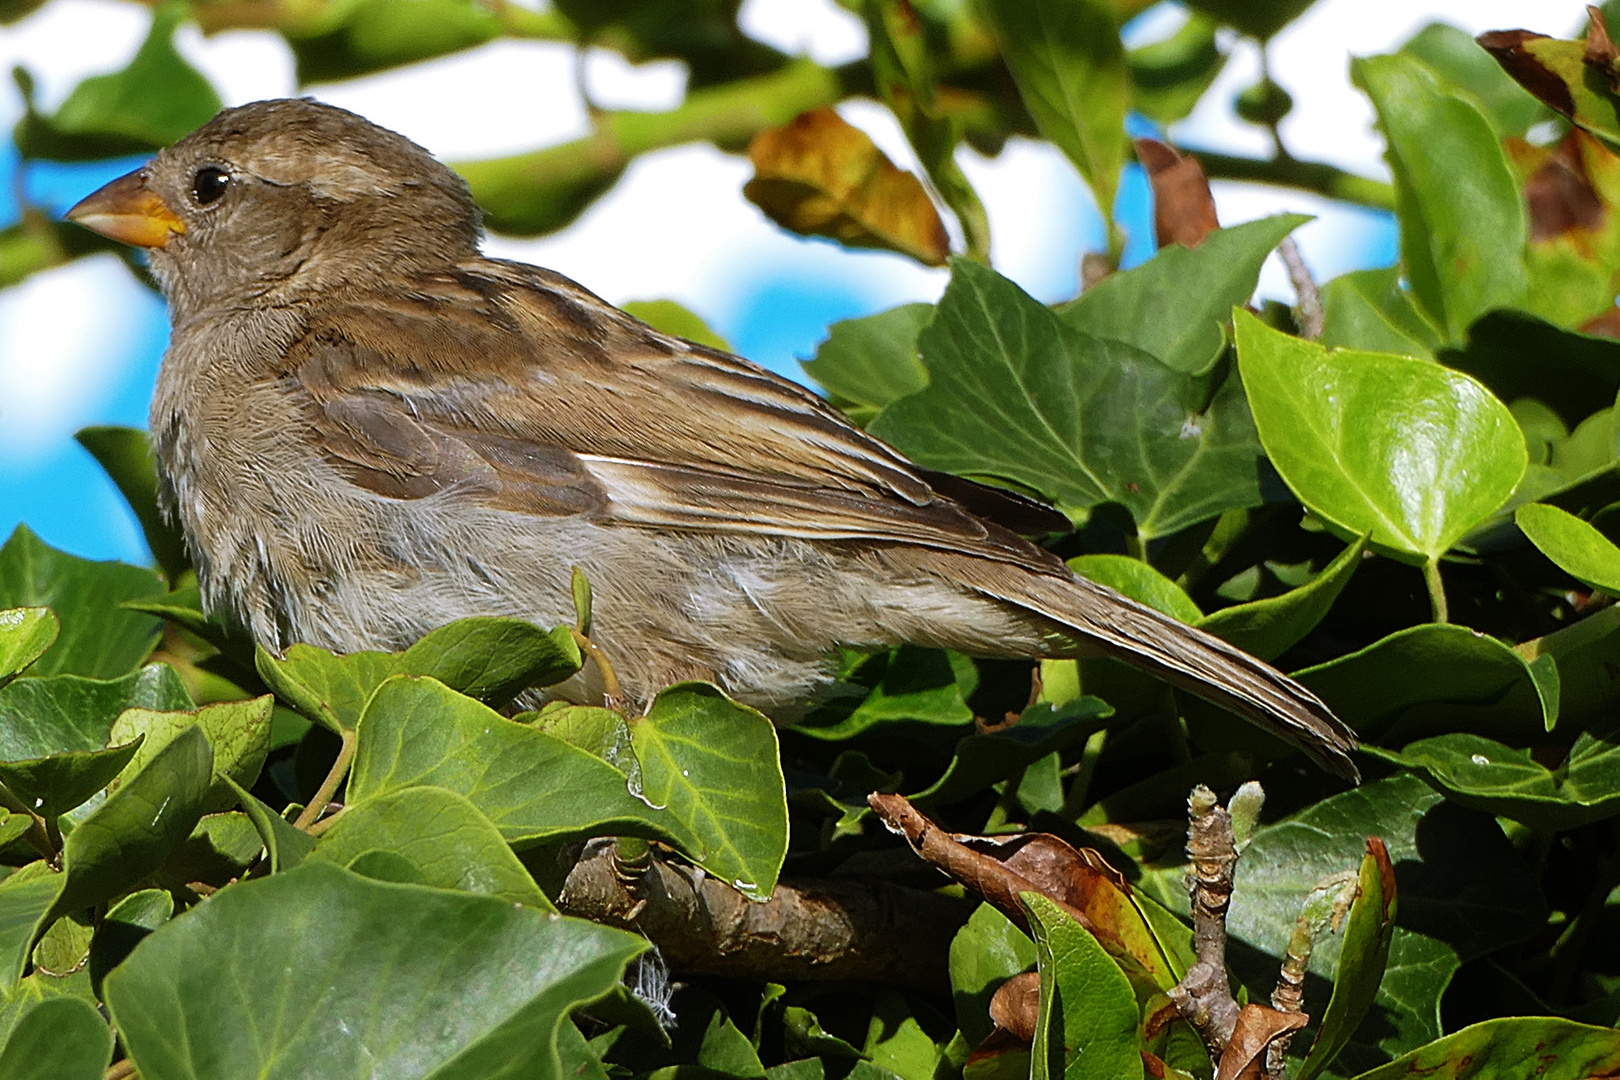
(1370, 310)
(343, 41)
(60, 1038)
(1519, 355)
(821, 176)
(1463, 226)
(1174, 306)
(25, 897)
(986, 952)
(71, 714)
(238, 732)
(418, 978)
(1403, 450)
(98, 639)
(1262, 18)
(285, 845)
(1169, 76)
(55, 784)
(1270, 627)
(908, 684)
(125, 926)
(980, 760)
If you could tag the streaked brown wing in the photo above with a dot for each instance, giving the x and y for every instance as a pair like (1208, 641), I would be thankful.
(518, 384)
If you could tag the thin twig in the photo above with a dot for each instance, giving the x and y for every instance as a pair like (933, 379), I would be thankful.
(1308, 308)
(329, 786)
(1204, 997)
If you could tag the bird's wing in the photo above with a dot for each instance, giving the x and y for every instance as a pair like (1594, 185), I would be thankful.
(520, 386)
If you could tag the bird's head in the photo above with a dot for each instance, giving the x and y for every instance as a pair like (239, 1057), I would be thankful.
(281, 198)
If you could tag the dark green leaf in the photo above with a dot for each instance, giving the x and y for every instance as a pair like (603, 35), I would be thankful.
(1519, 355)
(68, 713)
(25, 897)
(1367, 933)
(1169, 76)
(1511, 1048)
(151, 103)
(1463, 892)
(126, 455)
(1066, 57)
(347, 40)
(487, 658)
(451, 845)
(897, 1043)
(285, 845)
(1433, 677)
(982, 760)
(909, 684)
(1018, 396)
(61, 1038)
(1401, 449)
(131, 833)
(1088, 1017)
(1262, 18)
(872, 361)
(416, 981)
(1463, 220)
(57, 783)
(532, 786)
(25, 634)
(1483, 774)
(1270, 627)
(98, 639)
(125, 926)
(1173, 307)
(713, 765)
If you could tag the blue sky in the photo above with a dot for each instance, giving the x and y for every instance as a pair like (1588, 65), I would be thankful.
(80, 345)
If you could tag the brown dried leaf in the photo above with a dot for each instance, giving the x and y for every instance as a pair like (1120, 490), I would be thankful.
(820, 176)
(1560, 194)
(1600, 51)
(1183, 208)
(1257, 1026)
(1509, 49)
(1016, 1006)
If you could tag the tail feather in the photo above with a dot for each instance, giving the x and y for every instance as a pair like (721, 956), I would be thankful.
(1187, 658)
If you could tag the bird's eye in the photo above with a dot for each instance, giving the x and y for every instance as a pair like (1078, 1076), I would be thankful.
(209, 184)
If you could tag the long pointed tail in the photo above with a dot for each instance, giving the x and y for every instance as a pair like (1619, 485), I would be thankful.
(1181, 655)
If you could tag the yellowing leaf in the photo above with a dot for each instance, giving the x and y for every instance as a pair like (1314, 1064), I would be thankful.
(822, 177)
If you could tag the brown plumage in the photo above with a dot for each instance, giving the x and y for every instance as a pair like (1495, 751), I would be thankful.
(367, 429)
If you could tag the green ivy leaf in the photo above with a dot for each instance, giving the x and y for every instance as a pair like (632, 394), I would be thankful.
(908, 684)
(98, 639)
(1401, 449)
(1139, 581)
(1579, 549)
(714, 765)
(1174, 306)
(54, 784)
(984, 759)
(1270, 627)
(1464, 892)
(1088, 1017)
(1367, 932)
(534, 787)
(446, 841)
(595, 730)
(872, 361)
(71, 714)
(61, 1038)
(25, 634)
(129, 835)
(1018, 396)
(668, 317)
(488, 658)
(1463, 220)
(238, 732)
(126, 455)
(25, 897)
(1509, 1048)
(421, 981)
(285, 845)
(1069, 64)
(1483, 774)
(1577, 374)
(153, 102)
(1372, 311)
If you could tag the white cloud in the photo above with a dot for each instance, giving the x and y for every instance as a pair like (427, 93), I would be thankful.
(67, 337)
(819, 29)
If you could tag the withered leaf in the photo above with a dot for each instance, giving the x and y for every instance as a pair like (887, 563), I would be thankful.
(1257, 1027)
(1600, 51)
(1560, 194)
(1183, 208)
(1511, 48)
(820, 176)
(1016, 1006)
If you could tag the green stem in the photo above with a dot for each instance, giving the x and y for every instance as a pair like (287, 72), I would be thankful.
(1084, 770)
(1324, 179)
(340, 769)
(1437, 591)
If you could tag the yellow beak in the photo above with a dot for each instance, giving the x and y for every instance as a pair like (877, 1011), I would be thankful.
(128, 211)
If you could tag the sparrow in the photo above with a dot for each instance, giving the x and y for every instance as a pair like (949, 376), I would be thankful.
(368, 429)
